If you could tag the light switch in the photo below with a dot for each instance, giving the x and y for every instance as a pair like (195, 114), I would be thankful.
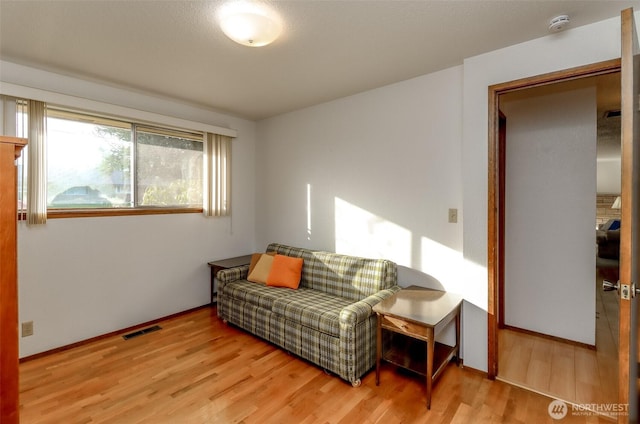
(453, 216)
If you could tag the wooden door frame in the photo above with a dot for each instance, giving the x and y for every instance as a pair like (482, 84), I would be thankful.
(501, 184)
(496, 192)
(627, 354)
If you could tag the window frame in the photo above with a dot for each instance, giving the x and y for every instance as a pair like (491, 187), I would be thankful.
(67, 112)
(96, 212)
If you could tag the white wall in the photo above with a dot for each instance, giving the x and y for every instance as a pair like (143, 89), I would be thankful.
(575, 47)
(373, 175)
(83, 277)
(550, 209)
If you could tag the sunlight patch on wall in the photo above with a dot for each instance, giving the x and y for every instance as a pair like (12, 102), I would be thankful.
(474, 283)
(361, 233)
(308, 211)
(442, 263)
(456, 274)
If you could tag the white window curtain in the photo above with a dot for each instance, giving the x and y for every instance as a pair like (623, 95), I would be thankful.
(217, 176)
(37, 164)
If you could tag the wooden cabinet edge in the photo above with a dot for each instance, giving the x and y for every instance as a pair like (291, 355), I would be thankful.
(10, 149)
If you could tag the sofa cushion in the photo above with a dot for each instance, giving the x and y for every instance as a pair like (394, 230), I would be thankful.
(255, 258)
(612, 224)
(255, 294)
(345, 276)
(312, 308)
(285, 272)
(261, 270)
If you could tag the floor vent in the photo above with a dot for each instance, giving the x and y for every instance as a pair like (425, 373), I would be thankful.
(141, 332)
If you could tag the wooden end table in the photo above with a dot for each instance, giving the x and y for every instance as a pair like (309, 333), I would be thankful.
(225, 264)
(412, 318)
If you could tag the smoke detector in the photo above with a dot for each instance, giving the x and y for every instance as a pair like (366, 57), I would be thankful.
(559, 23)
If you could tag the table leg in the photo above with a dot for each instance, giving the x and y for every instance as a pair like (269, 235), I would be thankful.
(378, 348)
(213, 277)
(214, 272)
(458, 337)
(431, 343)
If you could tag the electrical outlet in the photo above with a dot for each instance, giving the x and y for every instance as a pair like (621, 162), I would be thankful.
(453, 216)
(27, 329)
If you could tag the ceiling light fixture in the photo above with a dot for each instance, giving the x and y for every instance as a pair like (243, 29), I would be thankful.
(559, 23)
(250, 23)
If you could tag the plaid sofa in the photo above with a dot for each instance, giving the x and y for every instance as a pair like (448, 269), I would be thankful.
(328, 320)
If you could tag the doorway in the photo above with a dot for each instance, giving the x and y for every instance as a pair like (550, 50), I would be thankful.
(547, 347)
(558, 330)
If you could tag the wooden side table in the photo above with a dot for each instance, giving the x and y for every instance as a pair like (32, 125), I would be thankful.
(412, 318)
(225, 264)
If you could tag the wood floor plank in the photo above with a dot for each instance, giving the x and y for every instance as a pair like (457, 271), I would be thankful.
(514, 364)
(199, 370)
(562, 382)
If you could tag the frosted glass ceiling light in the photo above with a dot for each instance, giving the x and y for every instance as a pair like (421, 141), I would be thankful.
(250, 23)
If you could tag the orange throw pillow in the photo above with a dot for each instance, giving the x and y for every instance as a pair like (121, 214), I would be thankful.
(256, 257)
(261, 270)
(285, 272)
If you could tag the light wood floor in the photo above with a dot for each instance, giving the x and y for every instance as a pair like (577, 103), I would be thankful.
(562, 370)
(198, 370)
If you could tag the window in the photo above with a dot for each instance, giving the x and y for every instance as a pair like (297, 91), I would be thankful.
(169, 171)
(83, 164)
(100, 162)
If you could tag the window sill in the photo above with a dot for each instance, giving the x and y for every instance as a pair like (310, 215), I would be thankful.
(94, 213)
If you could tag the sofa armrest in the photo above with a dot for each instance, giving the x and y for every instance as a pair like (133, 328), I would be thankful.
(232, 274)
(613, 235)
(361, 310)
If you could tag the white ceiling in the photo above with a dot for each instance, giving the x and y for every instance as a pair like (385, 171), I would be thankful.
(329, 49)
